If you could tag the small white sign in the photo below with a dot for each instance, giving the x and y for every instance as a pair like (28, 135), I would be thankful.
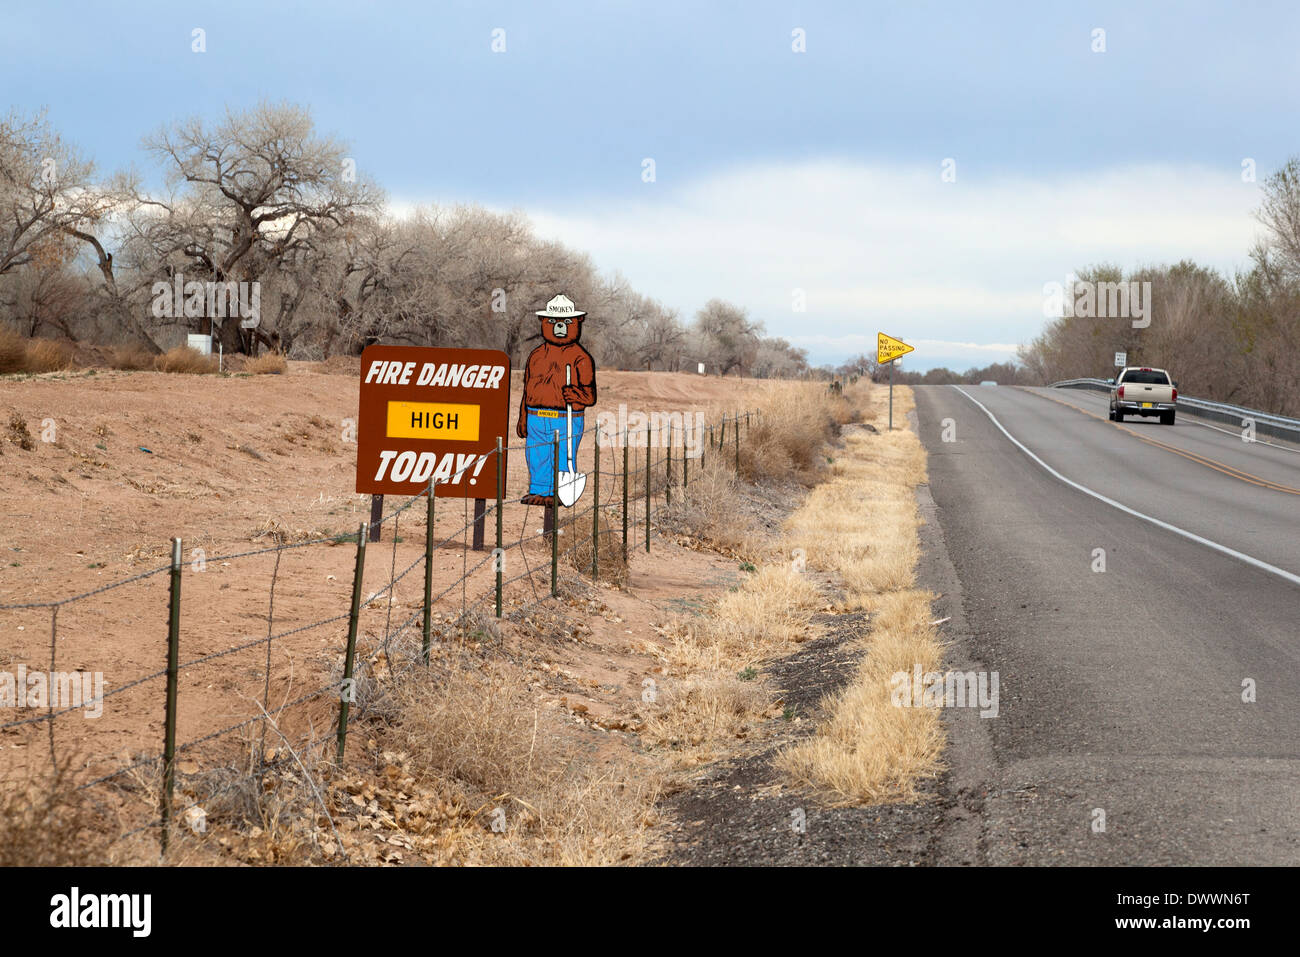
(1121, 360)
(200, 344)
(701, 368)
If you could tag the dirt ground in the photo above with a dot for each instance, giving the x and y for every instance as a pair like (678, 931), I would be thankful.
(120, 462)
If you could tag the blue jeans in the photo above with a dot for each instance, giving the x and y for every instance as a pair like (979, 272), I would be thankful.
(543, 426)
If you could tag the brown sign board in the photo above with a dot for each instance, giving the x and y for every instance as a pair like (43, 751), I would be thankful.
(432, 415)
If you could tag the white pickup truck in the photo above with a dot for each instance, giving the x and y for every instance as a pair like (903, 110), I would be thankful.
(1143, 391)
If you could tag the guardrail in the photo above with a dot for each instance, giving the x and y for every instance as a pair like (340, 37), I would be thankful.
(1275, 425)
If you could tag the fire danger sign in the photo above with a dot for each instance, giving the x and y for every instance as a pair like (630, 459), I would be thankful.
(432, 415)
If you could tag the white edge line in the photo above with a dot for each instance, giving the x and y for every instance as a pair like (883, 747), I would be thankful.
(1191, 536)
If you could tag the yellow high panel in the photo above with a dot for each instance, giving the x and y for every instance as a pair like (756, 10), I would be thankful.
(433, 420)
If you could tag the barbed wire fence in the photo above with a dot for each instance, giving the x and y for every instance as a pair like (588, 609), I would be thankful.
(147, 791)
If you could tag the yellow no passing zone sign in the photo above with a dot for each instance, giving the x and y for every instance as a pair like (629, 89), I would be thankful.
(888, 348)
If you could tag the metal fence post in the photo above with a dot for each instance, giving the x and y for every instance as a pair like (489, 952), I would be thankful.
(501, 494)
(346, 690)
(428, 576)
(685, 458)
(173, 677)
(648, 452)
(625, 467)
(736, 430)
(595, 514)
(555, 514)
(722, 437)
(668, 472)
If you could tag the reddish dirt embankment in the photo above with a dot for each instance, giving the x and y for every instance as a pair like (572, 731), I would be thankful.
(121, 462)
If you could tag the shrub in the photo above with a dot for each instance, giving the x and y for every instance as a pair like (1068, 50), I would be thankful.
(186, 360)
(269, 363)
(13, 351)
(48, 355)
(18, 354)
(130, 358)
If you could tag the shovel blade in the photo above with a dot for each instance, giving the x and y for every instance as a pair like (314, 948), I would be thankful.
(570, 486)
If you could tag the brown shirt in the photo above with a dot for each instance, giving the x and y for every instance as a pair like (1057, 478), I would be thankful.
(544, 377)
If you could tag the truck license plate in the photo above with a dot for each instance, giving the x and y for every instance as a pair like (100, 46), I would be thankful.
(1146, 405)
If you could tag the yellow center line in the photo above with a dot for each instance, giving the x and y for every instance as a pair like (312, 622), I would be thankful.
(1215, 464)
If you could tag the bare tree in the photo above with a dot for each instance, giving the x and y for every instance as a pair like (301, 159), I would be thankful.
(728, 335)
(1279, 213)
(45, 190)
(256, 196)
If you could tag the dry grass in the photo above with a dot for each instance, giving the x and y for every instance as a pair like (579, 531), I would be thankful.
(784, 443)
(766, 616)
(787, 440)
(712, 692)
(867, 749)
(480, 735)
(130, 358)
(49, 355)
(46, 822)
(611, 567)
(19, 354)
(709, 507)
(872, 543)
(340, 365)
(185, 360)
(13, 351)
(694, 717)
(268, 363)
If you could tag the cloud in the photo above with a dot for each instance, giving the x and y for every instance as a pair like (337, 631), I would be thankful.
(956, 268)
(929, 352)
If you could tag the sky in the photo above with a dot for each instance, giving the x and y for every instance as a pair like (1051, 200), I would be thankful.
(920, 169)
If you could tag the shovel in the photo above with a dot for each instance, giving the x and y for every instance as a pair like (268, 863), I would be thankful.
(570, 485)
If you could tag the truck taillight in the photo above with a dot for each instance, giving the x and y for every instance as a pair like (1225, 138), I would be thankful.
(1121, 392)
(1175, 395)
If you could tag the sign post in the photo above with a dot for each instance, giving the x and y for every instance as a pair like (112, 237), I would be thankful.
(433, 415)
(888, 349)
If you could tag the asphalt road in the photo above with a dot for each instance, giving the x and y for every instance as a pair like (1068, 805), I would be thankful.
(1121, 691)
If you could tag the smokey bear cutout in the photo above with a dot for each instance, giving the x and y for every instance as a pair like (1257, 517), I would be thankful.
(559, 385)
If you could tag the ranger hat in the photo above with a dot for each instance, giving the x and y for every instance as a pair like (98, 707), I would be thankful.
(561, 307)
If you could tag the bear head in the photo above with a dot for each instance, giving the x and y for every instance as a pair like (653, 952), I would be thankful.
(561, 331)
